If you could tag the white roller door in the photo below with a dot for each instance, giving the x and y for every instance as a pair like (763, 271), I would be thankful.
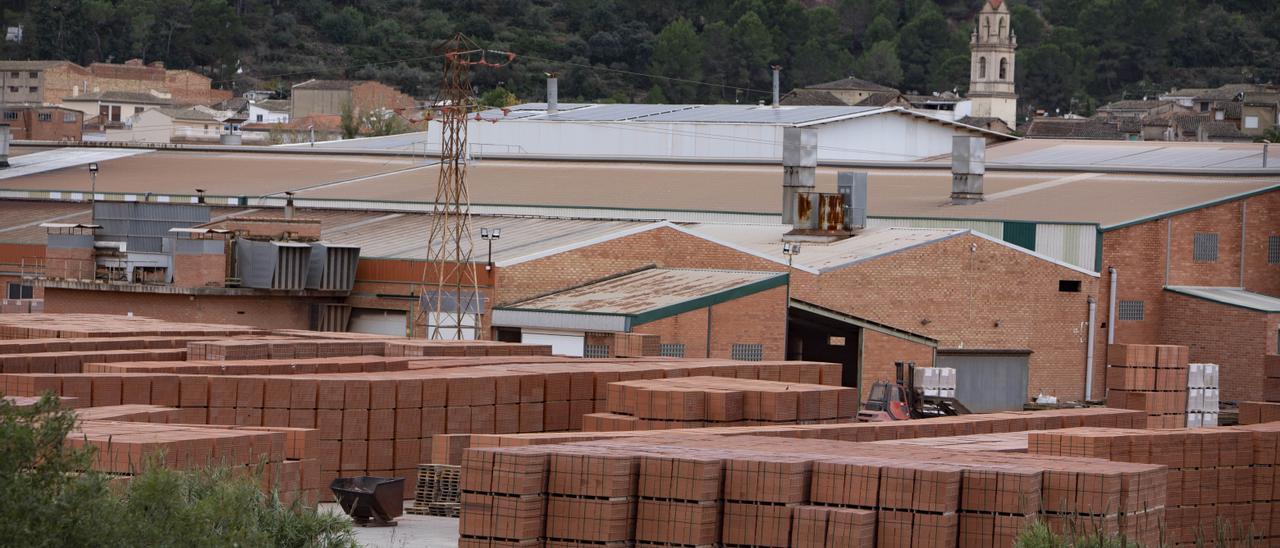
(562, 343)
(376, 321)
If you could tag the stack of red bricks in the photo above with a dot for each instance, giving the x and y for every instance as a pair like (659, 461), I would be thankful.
(1211, 474)
(287, 457)
(1265, 523)
(277, 349)
(73, 361)
(1254, 412)
(64, 326)
(1150, 378)
(349, 364)
(696, 402)
(1271, 381)
(694, 488)
(421, 348)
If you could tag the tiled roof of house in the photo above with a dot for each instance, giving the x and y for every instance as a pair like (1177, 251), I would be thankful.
(852, 83)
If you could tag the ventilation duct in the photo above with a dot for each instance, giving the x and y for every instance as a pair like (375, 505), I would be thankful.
(799, 168)
(852, 186)
(4, 145)
(968, 164)
(272, 265)
(553, 93)
(332, 267)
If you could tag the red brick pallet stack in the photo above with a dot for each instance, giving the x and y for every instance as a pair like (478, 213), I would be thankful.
(1150, 378)
(65, 326)
(697, 402)
(1211, 474)
(1254, 412)
(350, 364)
(699, 489)
(73, 361)
(1271, 383)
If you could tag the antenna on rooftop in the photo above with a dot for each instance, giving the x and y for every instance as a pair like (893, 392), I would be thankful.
(451, 298)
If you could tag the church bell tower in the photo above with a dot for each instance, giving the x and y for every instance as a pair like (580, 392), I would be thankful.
(992, 63)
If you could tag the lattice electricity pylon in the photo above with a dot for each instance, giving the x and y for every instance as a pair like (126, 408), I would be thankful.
(451, 300)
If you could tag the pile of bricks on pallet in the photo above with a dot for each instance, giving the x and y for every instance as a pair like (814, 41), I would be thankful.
(964, 425)
(387, 423)
(419, 348)
(1254, 412)
(1211, 474)
(1150, 378)
(63, 326)
(29, 401)
(347, 364)
(282, 348)
(73, 361)
(1271, 381)
(285, 457)
(701, 489)
(696, 402)
(1202, 395)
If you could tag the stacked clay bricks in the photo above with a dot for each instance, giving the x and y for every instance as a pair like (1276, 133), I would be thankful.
(1211, 473)
(696, 402)
(1150, 378)
(1254, 412)
(348, 364)
(1271, 381)
(66, 326)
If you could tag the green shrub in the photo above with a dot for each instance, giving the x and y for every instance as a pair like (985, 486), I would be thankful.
(49, 497)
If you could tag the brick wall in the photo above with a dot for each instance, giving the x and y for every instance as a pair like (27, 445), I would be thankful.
(189, 88)
(1232, 337)
(880, 351)
(661, 247)
(184, 86)
(272, 227)
(1139, 255)
(963, 286)
(70, 263)
(199, 270)
(370, 96)
(754, 319)
(262, 312)
(29, 126)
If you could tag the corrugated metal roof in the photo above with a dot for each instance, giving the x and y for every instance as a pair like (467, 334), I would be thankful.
(1233, 296)
(867, 244)
(1148, 154)
(645, 291)
(753, 114)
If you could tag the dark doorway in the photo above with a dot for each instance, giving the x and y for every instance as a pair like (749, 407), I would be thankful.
(812, 337)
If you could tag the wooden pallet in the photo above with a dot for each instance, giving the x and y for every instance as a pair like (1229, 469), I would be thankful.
(438, 509)
(437, 483)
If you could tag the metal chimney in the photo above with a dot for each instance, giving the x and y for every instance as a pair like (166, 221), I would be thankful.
(288, 205)
(777, 69)
(853, 187)
(553, 93)
(4, 145)
(968, 163)
(799, 168)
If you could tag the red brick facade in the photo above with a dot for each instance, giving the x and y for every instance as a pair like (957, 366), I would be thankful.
(1234, 338)
(263, 312)
(208, 270)
(185, 87)
(1151, 255)
(44, 123)
(754, 319)
(880, 351)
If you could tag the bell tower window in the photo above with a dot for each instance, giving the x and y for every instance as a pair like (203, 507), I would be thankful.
(982, 67)
(1004, 68)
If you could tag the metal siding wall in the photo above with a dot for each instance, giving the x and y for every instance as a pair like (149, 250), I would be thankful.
(1072, 244)
(989, 383)
(1020, 234)
(995, 229)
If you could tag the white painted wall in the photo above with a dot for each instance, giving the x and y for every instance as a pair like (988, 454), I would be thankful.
(562, 343)
(892, 136)
(268, 116)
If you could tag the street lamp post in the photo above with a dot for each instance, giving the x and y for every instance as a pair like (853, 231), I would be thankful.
(489, 235)
(93, 181)
(790, 249)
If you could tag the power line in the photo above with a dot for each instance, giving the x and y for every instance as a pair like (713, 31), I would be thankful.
(649, 75)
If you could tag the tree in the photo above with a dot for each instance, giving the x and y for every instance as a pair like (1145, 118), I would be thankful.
(880, 30)
(678, 55)
(880, 64)
(753, 47)
(349, 121)
(921, 41)
(498, 97)
(816, 62)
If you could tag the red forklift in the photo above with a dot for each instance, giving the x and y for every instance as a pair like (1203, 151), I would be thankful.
(903, 400)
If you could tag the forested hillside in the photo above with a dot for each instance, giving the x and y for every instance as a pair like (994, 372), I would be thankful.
(1072, 53)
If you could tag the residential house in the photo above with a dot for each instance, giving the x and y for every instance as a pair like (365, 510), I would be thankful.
(108, 108)
(316, 127)
(1259, 112)
(1139, 108)
(991, 123)
(43, 123)
(50, 81)
(270, 111)
(1124, 129)
(170, 125)
(846, 91)
(330, 96)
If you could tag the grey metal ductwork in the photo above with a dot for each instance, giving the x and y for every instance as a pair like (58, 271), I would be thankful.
(553, 93)
(777, 69)
(288, 205)
(4, 145)
(799, 167)
(968, 164)
(852, 186)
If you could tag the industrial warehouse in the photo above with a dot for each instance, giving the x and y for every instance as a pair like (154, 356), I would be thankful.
(759, 345)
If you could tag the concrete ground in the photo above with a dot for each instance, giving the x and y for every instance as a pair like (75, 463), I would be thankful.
(413, 531)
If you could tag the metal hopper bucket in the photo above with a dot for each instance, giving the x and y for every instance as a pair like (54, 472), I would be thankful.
(370, 500)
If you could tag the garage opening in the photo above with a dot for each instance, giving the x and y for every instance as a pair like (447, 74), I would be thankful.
(865, 349)
(378, 321)
(988, 380)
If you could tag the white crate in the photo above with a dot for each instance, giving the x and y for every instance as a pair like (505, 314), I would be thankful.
(1195, 420)
(1209, 419)
(1195, 375)
(1211, 399)
(947, 378)
(1195, 399)
(1211, 372)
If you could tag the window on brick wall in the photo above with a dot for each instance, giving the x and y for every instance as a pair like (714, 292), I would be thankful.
(68, 117)
(1132, 311)
(747, 352)
(595, 351)
(1204, 248)
(20, 291)
(1273, 250)
(44, 117)
(10, 115)
(1069, 286)
(672, 350)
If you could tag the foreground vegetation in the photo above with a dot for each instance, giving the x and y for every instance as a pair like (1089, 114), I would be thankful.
(46, 499)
